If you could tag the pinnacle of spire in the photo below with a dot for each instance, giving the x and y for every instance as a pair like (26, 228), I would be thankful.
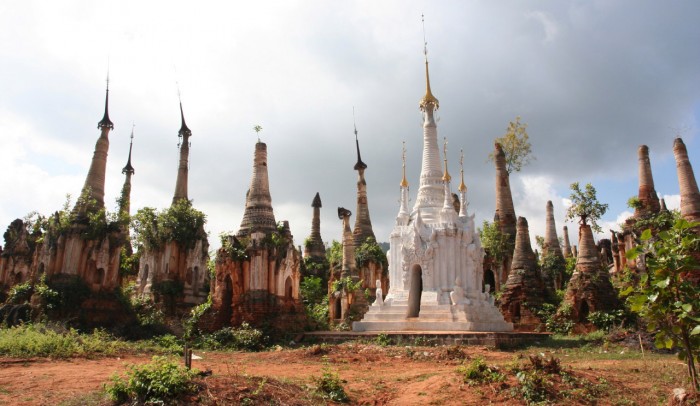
(106, 122)
(317, 201)
(462, 187)
(428, 100)
(446, 176)
(690, 196)
(523, 256)
(551, 241)
(647, 195)
(404, 182)
(359, 165)
(184, 130)
(258, 214)
(128, 168)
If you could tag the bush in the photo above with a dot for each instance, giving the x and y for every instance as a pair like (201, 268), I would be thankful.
(330, 387)
(243, 338)
(477, 372)
(159, 381)
(20, 293)
(42, 340)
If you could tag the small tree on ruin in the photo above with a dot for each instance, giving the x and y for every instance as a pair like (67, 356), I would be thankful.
(516, 146)
(585, 206)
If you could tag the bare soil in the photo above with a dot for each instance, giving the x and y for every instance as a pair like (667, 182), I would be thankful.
(371, 374)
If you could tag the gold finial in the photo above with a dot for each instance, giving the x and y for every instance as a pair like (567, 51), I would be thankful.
(428, 99)
(404, 182)
(462, 186)
(446, 177)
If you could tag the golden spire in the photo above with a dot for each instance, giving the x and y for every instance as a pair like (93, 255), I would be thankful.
(462, 186)
(446, 177)
(404, 182)
(428, 99)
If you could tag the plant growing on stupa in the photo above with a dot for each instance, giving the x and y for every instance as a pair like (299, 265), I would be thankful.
(585, 206)
(516, 146)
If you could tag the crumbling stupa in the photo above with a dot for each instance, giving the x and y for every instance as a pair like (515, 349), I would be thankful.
(524, 291)
(258, 270)
(690, 197)
(177, 266)
(435, 259)
(589, 289)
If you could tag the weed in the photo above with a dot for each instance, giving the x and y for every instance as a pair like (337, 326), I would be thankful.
(330, 387)
(382, 340)
(52, 340)
(477, 372)
(159, 381)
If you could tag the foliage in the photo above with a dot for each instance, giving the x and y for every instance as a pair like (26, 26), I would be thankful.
(168, 288)
(235, 248)
(585, 206)
(180, 222)
(335, 255)
(634, 203)
(20, 293)
(346, 284)
(607, 320)
(561, 322)
(496, 243)
(667, 296)
(160, 381)
(516, 146)
(49, 297)
(661, 221)
(55, 341)
(382, 340)
(316, 266)
(555, 266)
(128, 264)
(196, 314)
(329, 386)
(312, 290)
(477, 372)
(370, 251)
(242, 338)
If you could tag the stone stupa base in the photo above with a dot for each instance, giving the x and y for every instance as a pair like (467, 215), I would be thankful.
(479, 315)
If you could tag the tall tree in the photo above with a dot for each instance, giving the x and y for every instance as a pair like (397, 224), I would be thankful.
(516, 146)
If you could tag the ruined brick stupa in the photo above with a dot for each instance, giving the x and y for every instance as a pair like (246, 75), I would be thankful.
(435, 259)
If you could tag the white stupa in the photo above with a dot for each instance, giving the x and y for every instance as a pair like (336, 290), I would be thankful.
(436, 258)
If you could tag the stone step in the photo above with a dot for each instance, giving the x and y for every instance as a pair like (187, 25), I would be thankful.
(415, 325)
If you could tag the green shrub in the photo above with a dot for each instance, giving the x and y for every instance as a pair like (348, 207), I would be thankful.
(159, 381)
(329, 386)
(42, 340)
(477, 372)
(243, 338)
(382, 339)
(20, 293)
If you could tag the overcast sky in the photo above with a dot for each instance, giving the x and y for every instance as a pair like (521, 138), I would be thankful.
(592, 79)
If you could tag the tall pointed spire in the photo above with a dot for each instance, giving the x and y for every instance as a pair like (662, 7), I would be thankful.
(258, 214)
(431, 191)
(647, 194)
(183, 168)
(125, 199)
(403, 216)
(363, 224)
(690, 196)
(106, 122)
(404, 182)
(93, 192)
(428, 101)
(462, 187)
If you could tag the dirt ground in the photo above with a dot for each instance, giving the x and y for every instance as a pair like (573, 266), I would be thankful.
(372, 375)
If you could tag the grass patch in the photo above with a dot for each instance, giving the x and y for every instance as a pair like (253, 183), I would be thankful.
(477, 373)
(329, 386)
(55, 341)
